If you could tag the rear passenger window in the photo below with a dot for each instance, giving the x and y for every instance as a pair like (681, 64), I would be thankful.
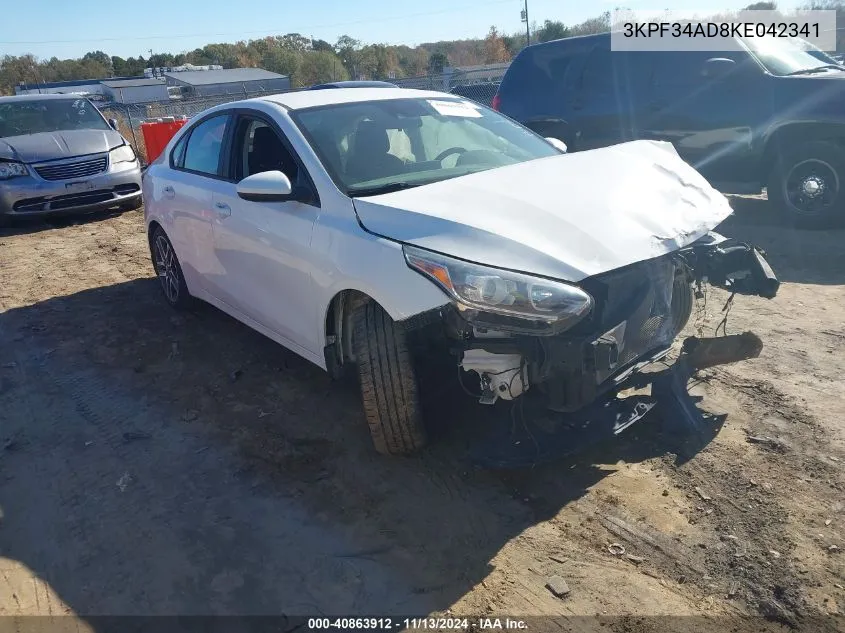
(202, 153)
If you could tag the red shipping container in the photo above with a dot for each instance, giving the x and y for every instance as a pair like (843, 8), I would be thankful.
(158, 134)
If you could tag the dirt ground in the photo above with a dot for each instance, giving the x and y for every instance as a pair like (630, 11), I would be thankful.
(163, 463)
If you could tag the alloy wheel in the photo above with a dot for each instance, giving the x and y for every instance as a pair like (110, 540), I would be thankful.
(167, 268)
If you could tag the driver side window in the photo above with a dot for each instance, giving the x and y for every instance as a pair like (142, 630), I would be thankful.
(259, 148)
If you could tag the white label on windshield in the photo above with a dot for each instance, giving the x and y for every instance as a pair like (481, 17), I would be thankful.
(455, 108)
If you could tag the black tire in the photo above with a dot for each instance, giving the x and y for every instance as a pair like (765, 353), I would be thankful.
(389, 388)
(133, 204)
(807, 185)
(682, 301)
(169, 271)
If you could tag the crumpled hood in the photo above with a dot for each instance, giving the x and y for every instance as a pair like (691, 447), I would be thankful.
(566, 217)
(34, 148)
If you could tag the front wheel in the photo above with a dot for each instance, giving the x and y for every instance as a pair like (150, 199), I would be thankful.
(389, 388)
(806, 185)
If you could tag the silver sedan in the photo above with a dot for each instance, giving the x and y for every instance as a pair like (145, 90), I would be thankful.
(58, 155)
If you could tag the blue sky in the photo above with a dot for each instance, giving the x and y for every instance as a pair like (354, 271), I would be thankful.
(69, 28)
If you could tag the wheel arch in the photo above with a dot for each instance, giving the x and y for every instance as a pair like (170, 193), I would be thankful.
(151, 228)
(781, 138)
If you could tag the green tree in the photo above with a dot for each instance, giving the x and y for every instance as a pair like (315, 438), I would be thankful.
(551, 30)
(761, 6)
(347, 49)
(437, 62)
(322, 45)
(296, 42)
(282, 61)
(319, 67)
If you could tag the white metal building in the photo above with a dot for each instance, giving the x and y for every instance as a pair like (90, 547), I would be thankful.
(232, 81)
(136, 90)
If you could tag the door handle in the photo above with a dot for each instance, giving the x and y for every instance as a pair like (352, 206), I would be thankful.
(223, 210)
(169, 192)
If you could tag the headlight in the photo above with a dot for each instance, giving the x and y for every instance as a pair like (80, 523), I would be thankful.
(11, 170)
(122, 154)
(496, 291)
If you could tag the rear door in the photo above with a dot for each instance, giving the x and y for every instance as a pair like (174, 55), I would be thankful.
(186, 192)
(601, 99)
(263, 249)
(534, 90)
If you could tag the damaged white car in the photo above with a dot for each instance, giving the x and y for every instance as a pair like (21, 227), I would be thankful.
(356, 227)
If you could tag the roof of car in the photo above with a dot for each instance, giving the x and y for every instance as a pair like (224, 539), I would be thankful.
(17, 98)
(353, 84)
(301, 99)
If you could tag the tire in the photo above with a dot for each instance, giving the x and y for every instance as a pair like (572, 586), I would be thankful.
(169, 271)
(682, 301)
(389, 388)
(807, 185)
(136, 203)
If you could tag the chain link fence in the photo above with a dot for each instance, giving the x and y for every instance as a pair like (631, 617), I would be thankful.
(478, 84)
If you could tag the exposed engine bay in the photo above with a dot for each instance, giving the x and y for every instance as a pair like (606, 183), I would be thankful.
(638, 312)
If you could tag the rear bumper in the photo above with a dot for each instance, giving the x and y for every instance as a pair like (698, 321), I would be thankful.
(31, 196)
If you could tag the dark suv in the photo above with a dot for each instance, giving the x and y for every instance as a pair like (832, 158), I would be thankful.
(765, 114)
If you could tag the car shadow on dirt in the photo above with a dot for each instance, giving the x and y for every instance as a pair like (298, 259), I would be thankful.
(174, 463)
(36, 225)
(796, 255)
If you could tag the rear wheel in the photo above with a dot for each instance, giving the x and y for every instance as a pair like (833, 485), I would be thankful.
(169, 271)
(806, 185)
(389, 388)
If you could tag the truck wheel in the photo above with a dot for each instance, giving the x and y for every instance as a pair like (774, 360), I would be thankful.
(388, 382)
(806, 185)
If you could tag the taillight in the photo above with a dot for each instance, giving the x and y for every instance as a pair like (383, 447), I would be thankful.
(497, 101)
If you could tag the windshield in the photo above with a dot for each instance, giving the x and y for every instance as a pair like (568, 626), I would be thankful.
(784, 57)
(48, 115)
(372, 147)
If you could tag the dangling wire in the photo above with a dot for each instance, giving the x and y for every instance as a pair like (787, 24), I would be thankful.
(727, 310)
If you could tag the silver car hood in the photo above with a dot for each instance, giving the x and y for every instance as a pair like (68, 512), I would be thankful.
(567, 217)
(34, 148)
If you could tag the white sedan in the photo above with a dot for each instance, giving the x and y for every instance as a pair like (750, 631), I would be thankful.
(358, 226)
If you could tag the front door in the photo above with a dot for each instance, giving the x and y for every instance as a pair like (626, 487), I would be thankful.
(264, 248)
(710, 120)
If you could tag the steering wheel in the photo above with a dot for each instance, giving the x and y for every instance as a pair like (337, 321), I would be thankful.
(448, 152)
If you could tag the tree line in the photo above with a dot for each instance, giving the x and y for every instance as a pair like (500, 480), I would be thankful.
(309, 61)
(306, 61)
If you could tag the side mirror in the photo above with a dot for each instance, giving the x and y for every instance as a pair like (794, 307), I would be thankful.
(557, 143)
(717, 67)
(267, 186)
(113, 124)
